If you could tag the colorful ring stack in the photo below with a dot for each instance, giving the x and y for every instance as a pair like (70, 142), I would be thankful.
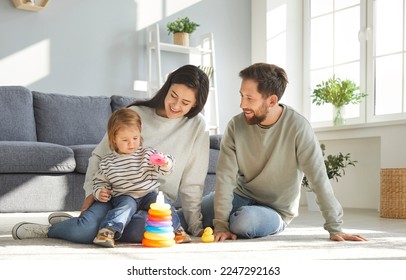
(159, 230)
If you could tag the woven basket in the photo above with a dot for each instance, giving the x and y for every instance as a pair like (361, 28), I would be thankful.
(393, 193)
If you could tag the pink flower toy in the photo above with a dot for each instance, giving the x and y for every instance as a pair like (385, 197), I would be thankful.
(157, 159)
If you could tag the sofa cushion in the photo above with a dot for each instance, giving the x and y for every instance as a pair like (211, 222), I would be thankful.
(119, 101)
(82, 154)
(35, 157)
(16, 114)
(209, 184)
(213, 157)
(70, 120)
(215, 141)
(41, 192)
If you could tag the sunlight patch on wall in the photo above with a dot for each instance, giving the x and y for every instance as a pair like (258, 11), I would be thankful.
(174, 6)
(150, 12)
(27, 66)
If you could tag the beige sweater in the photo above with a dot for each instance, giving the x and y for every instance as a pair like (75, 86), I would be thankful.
(187, 140)
(267, 165)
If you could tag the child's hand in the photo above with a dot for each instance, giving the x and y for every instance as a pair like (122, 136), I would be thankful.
(104, 195)
(158, 159)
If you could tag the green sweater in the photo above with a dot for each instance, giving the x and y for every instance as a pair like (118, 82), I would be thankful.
(187, 140)
(267, 165)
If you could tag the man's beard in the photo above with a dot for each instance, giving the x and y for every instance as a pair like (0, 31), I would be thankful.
(259, 116)
(255, 119)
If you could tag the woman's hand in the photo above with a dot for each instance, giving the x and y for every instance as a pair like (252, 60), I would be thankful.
(86, 204)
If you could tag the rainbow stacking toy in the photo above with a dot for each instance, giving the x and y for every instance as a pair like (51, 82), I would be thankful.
(159, 230)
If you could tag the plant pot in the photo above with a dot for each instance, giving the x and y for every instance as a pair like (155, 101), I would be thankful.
(338, 115)
(181, 38)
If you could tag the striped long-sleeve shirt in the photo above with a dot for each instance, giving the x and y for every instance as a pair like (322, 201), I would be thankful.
(132, 175)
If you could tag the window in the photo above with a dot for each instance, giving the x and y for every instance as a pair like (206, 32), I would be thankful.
(389, 60)
(363, 41)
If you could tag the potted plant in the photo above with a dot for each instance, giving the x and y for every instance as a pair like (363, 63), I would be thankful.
(181, 29)
(335, 168)
(338, 93)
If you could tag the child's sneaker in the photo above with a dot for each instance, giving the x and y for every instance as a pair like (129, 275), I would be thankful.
(181, 236)
(105, 238)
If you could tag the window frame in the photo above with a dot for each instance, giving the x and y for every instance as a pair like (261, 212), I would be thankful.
(366, 38)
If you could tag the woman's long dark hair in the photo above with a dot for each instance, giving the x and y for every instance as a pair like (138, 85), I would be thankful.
(188, 75)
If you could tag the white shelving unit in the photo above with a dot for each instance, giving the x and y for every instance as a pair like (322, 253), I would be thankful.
(32, 6)
(201, 55)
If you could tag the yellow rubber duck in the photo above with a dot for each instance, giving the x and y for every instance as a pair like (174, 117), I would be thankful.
(207, 235)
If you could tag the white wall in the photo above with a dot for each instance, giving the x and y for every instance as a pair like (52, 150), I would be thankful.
(360, 187)
(73, 47)
(98, 47)
(382, 147)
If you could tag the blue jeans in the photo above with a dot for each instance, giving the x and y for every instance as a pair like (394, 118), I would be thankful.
(123, 208)
(84, 229)
(248, 219)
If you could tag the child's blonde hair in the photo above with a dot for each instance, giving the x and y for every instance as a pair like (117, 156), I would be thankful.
(124, 117)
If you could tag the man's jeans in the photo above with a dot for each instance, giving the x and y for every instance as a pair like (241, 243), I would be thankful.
(247, 218)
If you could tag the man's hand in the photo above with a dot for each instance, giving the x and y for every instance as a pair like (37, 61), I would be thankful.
(347, 237)
(223, 235)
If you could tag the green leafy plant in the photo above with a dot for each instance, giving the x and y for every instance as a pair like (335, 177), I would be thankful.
(335, 166)
(337, 92)
(181, 25)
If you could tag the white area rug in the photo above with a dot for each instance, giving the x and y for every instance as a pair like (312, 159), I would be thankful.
(302, 250)
(304, 239)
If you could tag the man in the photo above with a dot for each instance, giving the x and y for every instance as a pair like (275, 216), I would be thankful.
(264, 152)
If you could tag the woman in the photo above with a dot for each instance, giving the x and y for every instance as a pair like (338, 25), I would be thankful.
(171, 124)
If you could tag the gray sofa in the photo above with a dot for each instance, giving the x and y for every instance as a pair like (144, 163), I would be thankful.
(46, 140)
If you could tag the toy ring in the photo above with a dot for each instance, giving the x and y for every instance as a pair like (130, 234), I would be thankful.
(160, 207)
(158, 229)
(158, 243)
(160, 213)
(159, 218)
(159, 223)
(156, 236)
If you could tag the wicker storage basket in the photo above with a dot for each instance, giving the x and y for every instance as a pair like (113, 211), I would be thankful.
(393, 193)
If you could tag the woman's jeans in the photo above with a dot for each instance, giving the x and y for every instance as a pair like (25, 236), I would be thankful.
(84, 229)
(248, 219)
